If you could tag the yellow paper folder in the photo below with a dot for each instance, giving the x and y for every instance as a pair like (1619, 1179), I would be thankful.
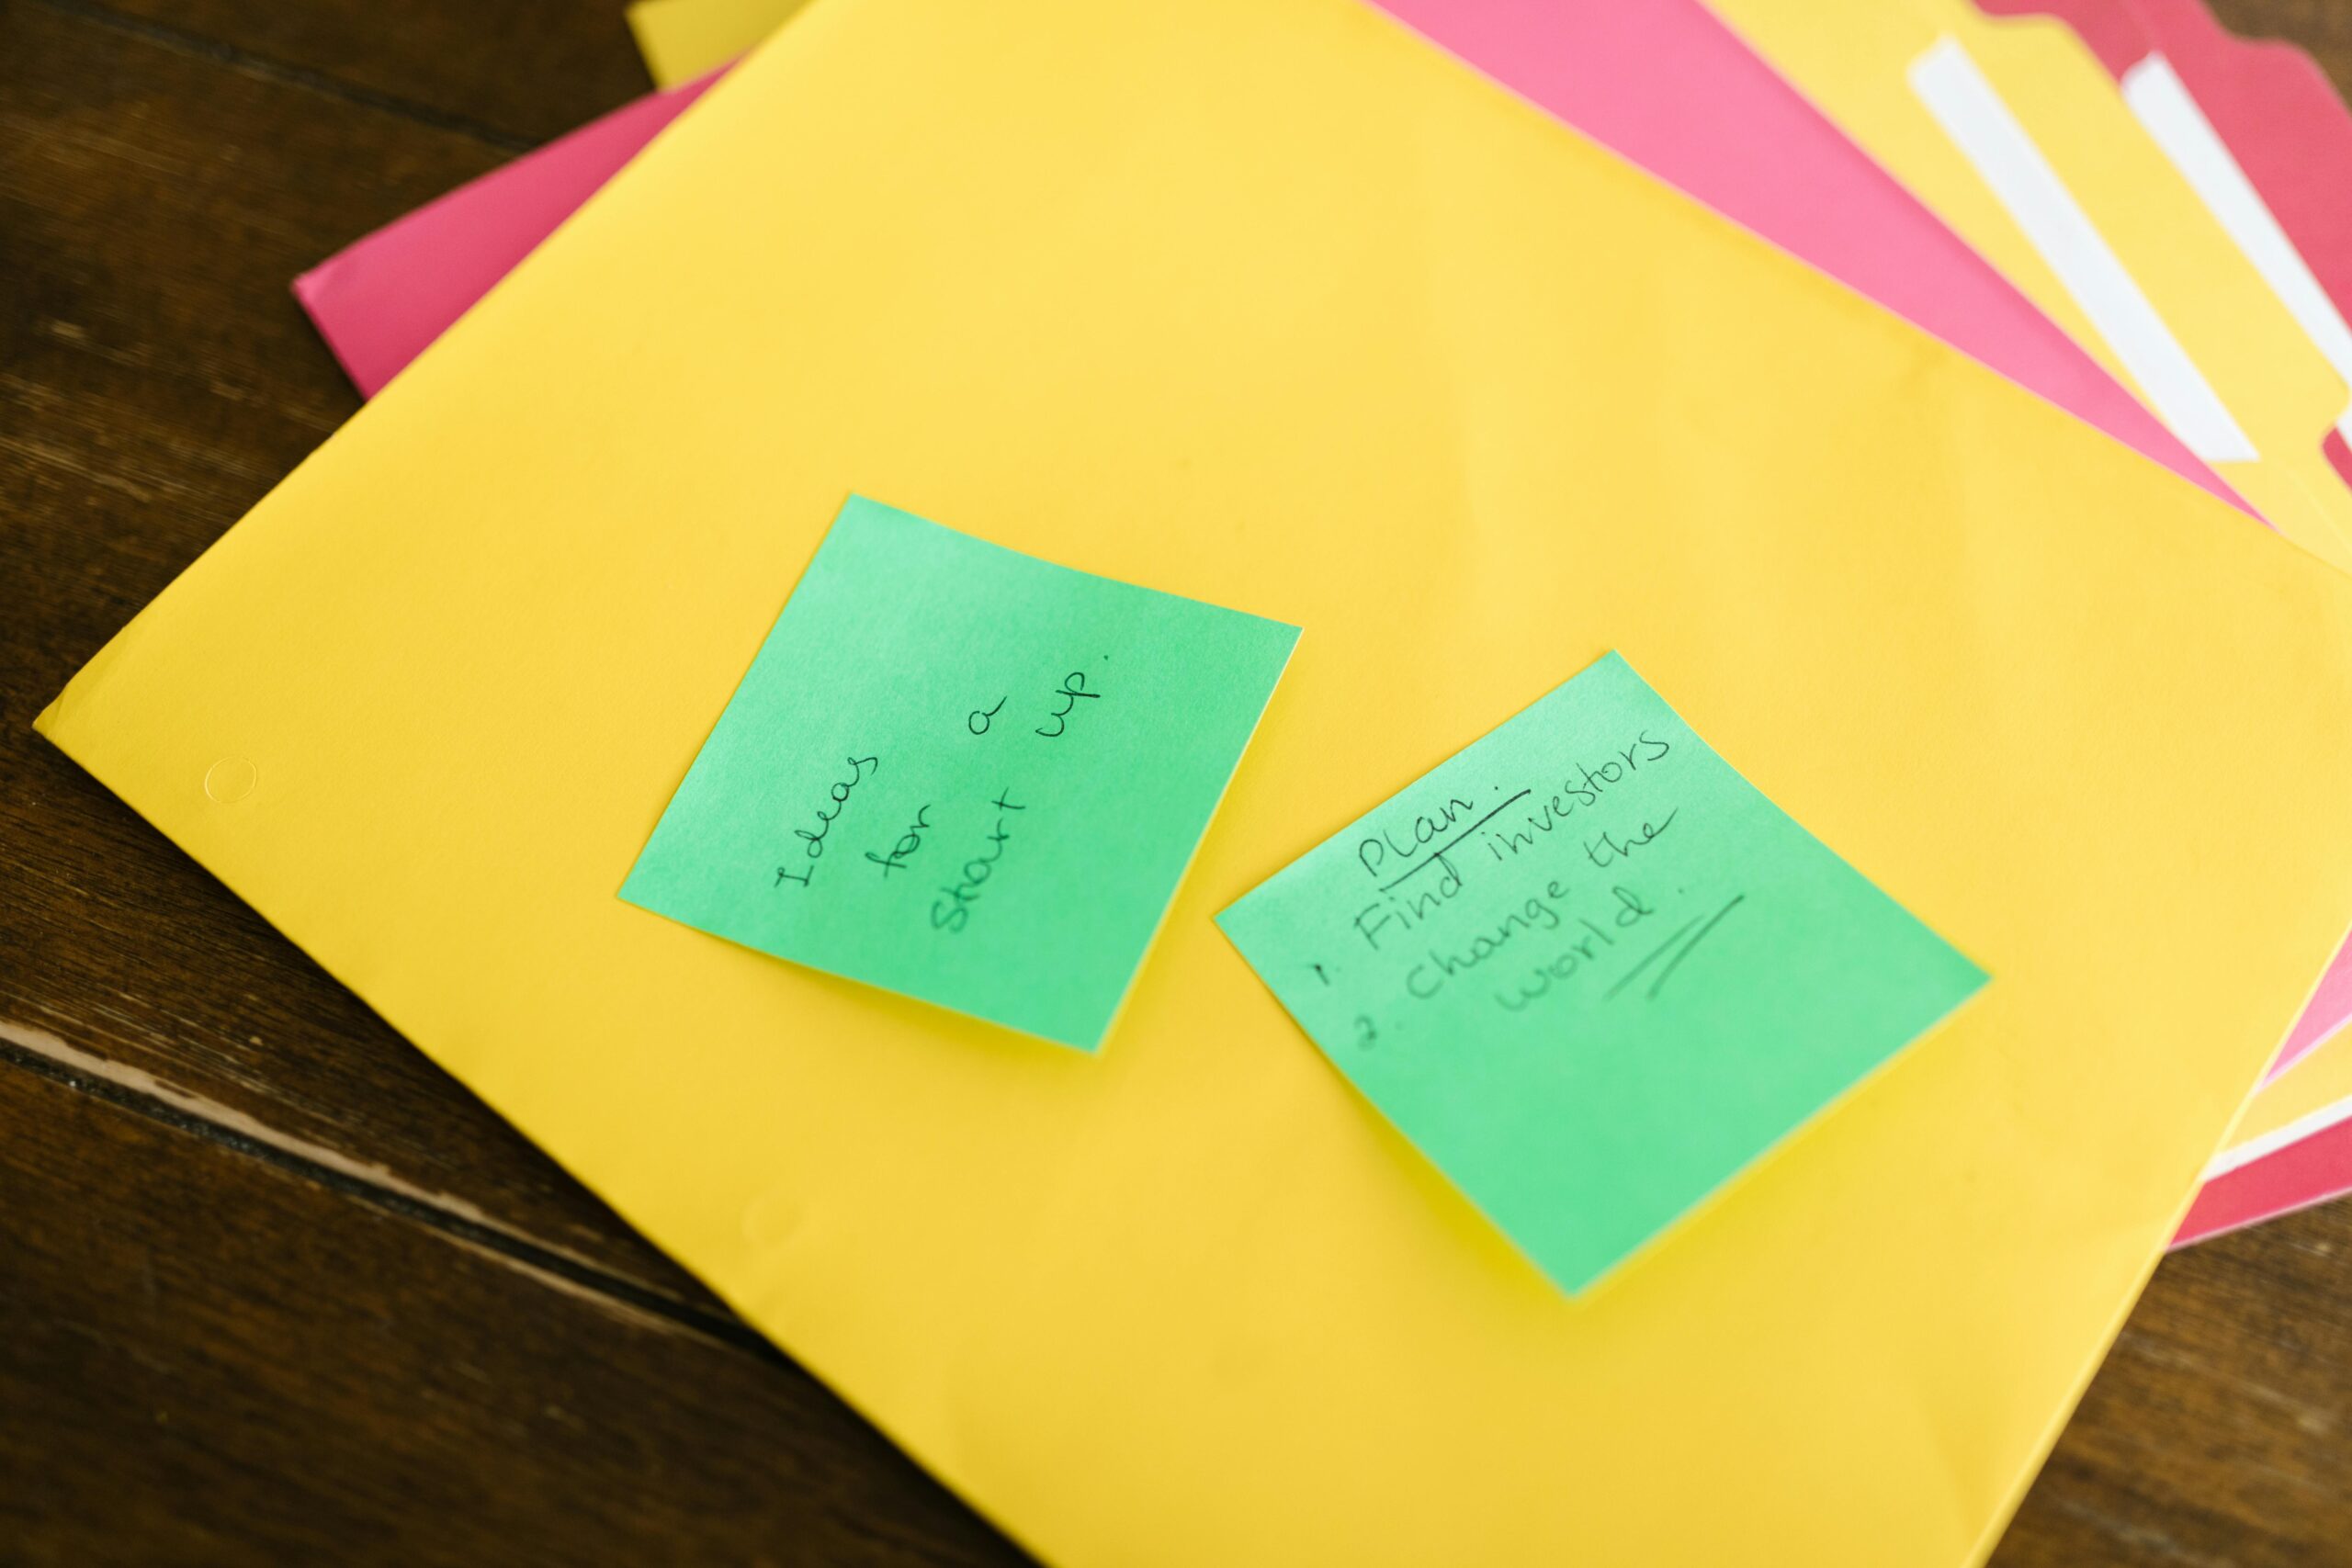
(2015, 134)
(2316, 1095)
(682, 39)
(1268, 303)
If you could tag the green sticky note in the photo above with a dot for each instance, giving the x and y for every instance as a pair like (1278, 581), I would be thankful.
(963, 773)
(1591, 971)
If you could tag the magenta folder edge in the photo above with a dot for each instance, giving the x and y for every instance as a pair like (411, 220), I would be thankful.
(2270, 103)
(381, 301)
(2310, 1171)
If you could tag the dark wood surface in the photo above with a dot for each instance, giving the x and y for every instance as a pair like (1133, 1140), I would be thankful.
(272, 1288)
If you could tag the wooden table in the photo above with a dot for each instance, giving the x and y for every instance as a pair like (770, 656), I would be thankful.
(272, 1287)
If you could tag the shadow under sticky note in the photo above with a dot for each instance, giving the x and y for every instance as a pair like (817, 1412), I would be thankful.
(1591, 971)
(963, 774)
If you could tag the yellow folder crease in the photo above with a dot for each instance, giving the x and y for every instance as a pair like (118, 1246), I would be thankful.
(1268, 303)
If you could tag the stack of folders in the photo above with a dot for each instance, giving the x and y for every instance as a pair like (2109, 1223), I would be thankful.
(1352, 781)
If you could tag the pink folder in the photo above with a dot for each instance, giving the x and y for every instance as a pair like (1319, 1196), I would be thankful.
(379, 301)
(2286, 127)
(2313, 1172)
(2269, 102)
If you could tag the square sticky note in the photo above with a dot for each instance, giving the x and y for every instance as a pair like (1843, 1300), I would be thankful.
(1591, 971)
(963, 773)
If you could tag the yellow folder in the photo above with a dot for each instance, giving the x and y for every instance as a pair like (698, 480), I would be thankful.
(1268, 303)
(2316, 1092)
(682, 39)
(2202, 316)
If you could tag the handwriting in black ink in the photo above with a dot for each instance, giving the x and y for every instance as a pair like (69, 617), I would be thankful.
(1585, 788)
(1694, 938)
(813, 844)
(1440, 854)
(955, 913)
(1374, 852)
(909, 843)
(1408, 909)
(976, 721)
(1073, 687)
(1605, 850)
(1573, 959)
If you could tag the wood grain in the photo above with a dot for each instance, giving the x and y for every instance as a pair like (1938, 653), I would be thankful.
(509, 73)
(2323, 28)
(213, 1357)
(157, 380)
(272, 1287)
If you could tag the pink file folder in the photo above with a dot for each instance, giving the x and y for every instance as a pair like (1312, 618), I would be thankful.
(2282, 121)
(2268, 101)
(2303, 1174)
(2288, 130)
(379, 301)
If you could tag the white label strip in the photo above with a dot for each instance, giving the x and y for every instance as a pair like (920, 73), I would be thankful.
(2161, 101)
(1965, 103)
(2270, 1142)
